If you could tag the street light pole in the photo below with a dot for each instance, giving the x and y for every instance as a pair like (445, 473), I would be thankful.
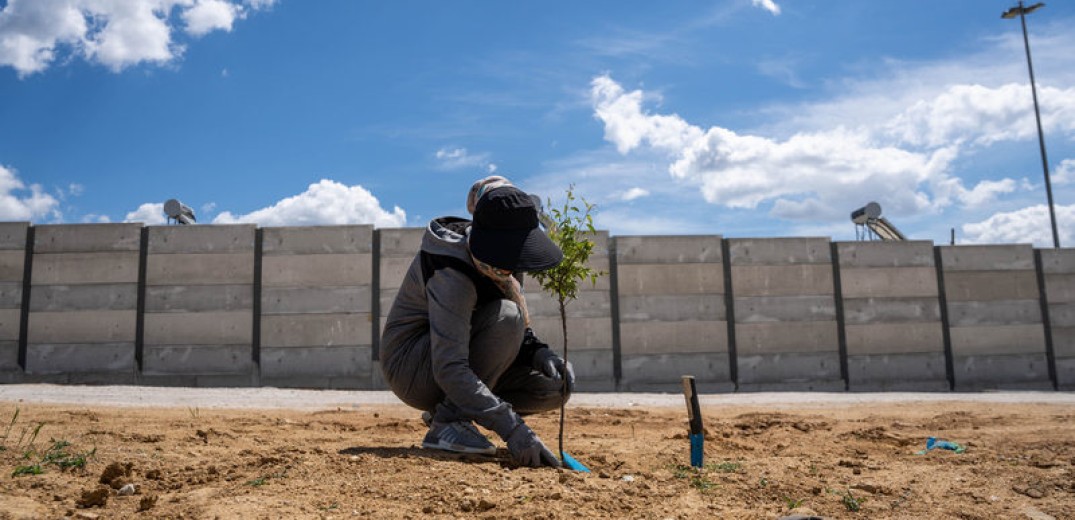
(1022, 12)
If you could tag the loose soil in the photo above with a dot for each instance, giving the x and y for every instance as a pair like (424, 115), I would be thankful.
(843, 461)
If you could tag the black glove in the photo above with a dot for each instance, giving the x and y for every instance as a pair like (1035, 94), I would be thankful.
(547, 362)
(528, 450)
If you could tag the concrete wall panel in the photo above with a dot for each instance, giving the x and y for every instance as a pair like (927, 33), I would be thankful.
(962, 286)
(881, 339)
(664, 372)
(1060, 288)
(641, 279)
(1017, 257)
(1012, 372)
(790, 371)
(902, 282)
(1058, 268)
(779, 251)
(202, 360)
(199, 269)
(79, 238)
(911, 253)
(80, 358)
(672, 307)
(85, 268)
(111, 297)
(680, 249)
(312, 366)
(998, 340)
(315, 300)
(12, 264)
(232, 238)
(316, 270)
(772, 309)
(11, 295)
(891, 310)
(775, 338)
(9, 324)
(13, 235)
(199, 328)
(911, 372)
(198, 298)
(315, 330)
(674, 337)
(9, 357)
(317, 239)
(82, 327)
(996, 312)
(781, 280)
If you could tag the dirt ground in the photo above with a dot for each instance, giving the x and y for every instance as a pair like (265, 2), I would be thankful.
(841, 461)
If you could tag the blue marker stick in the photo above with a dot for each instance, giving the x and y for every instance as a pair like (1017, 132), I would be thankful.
(569, 462)
(694, 413)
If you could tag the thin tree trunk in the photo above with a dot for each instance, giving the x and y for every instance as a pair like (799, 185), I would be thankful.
(563, 386)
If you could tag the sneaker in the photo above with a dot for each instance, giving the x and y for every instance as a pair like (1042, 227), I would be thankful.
(427, 419)
(459, 436)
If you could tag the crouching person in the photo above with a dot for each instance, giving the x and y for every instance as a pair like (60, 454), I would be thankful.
(457, 343)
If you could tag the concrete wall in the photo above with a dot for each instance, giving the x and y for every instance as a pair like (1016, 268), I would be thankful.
(786, 335)
(316, 322)
(589, 323)
(83, 311)
(672, 313)
(199, 306)
(1058, 276)
(892, 316)
(236, 305)
(994, 317)
(12, 272)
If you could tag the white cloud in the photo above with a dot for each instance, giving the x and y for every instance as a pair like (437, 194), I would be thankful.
(324, 203)
(32, 206)
(1027, 225)
(93, 218)
(768, 5)
(206, 16)
(115, 33)
(906, 162)
(1064, 172)
(151, 213)
(634, 193)
(460, 158)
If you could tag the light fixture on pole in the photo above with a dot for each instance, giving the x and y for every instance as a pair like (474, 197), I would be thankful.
(1021, 12)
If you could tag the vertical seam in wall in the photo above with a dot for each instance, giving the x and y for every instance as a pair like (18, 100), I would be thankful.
(24, 310)
(946, 334)
(729, 312)
(838, 300)
(614, 311)
(375, 296)
(140, 316)
(1043, 299)
(255, 338)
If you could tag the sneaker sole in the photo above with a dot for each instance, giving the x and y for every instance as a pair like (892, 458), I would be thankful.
(455, 448)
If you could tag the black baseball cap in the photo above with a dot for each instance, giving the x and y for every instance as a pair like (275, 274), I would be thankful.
(505, 232)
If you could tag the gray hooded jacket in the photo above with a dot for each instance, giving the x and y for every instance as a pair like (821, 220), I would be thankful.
(436, 300)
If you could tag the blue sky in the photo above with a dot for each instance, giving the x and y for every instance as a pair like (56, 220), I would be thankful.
(734, 117)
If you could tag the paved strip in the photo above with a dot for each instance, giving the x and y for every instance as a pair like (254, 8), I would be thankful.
(273, 398)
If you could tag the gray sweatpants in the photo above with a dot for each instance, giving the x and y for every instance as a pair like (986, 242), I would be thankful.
(495, 335)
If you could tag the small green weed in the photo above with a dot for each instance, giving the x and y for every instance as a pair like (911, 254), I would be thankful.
(793, 503)
(851, 502)
(57, 455)
(29, 469)
(725, 467)
(696, 477)
(258, 482)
